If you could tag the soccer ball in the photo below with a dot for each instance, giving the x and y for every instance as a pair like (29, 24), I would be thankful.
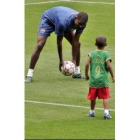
(68, 68)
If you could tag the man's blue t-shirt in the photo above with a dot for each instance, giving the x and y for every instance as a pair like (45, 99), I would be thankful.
(63, 19)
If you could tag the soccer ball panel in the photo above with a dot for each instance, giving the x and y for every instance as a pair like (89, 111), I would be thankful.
(68, 68)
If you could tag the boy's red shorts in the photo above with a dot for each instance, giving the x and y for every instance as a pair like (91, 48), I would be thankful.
(101, 93)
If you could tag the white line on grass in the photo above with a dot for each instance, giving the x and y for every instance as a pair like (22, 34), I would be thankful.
(88, 2)
(40, 2)
(65, 105)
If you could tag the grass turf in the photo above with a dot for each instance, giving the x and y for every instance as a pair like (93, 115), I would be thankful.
(49, 85)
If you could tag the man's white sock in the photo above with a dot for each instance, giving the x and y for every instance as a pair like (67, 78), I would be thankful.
(77, 70)
(30, 72)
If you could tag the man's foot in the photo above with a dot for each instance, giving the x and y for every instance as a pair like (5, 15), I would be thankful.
(28, 79)
(91, 114)
(107, 116)
(78, 76)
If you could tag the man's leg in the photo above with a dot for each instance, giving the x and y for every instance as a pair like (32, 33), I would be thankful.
(70, 36)
(35, 56)
(78, 55)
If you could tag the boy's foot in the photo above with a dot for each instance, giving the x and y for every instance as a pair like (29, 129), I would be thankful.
(91, 114)
(107, 116)
(78, 76)
(28, 79)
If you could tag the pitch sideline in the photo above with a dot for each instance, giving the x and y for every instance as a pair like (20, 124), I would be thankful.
(88, 2)
(65, 105)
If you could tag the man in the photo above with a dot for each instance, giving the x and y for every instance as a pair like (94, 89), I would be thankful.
(65, 22)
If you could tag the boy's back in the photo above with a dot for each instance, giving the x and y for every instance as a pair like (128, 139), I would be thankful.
(98, 69)
(99, 62)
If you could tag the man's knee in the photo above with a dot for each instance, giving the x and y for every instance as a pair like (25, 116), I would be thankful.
(40, 45)
(79, 45)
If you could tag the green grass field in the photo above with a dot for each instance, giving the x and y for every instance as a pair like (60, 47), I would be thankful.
(43, 121)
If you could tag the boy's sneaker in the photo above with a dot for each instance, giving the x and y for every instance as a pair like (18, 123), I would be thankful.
(28, 79)
(107, 116)
(78, 76)
(91, 114)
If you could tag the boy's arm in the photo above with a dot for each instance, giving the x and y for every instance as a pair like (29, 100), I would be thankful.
(87, 68)
(110, 70)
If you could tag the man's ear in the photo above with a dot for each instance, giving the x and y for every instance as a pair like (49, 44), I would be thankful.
(95, 44)
(105, 44)
(75, 17)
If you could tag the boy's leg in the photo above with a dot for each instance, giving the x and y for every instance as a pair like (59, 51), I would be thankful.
(103, 93)
(92, 107)
(92, 95)
(105, 104)
(92, 104)
(106, 109)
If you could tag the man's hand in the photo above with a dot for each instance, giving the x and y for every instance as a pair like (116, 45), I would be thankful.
(61, 63)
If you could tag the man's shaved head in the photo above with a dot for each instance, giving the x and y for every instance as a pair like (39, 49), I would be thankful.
(83, 17)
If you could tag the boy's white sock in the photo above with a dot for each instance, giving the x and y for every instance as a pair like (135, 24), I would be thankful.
(91, 111)
(30, 72)
(77, 70)
(106, 111)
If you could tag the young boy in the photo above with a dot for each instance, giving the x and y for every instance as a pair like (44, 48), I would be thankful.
(100, 64)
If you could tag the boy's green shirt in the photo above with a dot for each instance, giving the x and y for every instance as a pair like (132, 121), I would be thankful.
(98, 69)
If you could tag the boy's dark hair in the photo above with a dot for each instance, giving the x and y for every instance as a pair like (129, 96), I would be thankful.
(83, 17)
(101, 41)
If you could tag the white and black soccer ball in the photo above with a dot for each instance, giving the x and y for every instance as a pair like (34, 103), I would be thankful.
(68, 69)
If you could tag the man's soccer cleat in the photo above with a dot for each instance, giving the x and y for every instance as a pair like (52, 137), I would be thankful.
(91, 114)
(78, 76)
(107, 116)
(28, 79)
